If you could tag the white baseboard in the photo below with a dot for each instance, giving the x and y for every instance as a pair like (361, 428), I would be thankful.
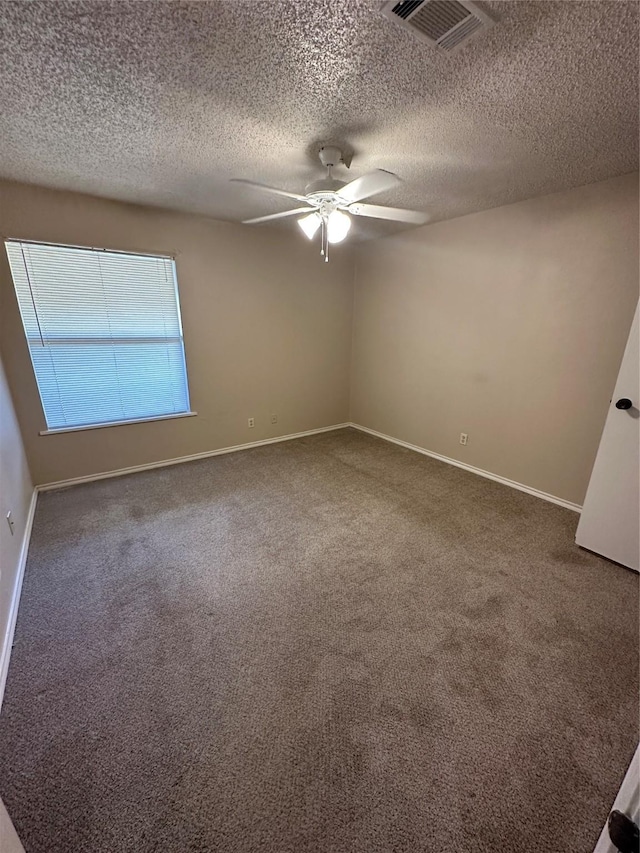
(7, 641)
(75, 481)
(498, 479)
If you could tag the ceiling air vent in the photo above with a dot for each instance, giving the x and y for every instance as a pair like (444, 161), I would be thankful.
(447, 24)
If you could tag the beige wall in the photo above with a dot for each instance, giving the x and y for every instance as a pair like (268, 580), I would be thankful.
(267, 329)
(15, 496)
(508, 325)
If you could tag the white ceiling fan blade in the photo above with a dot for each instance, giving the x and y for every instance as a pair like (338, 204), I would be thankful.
(275, 216)
(272, 190)
(397, 214)
(369, 184)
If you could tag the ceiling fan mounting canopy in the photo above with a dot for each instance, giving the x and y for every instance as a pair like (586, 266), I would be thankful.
(330, 156)
(331, 201)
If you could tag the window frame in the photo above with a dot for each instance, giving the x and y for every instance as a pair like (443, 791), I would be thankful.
(189, 413)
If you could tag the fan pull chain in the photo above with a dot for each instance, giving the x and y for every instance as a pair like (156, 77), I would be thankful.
(326, 239)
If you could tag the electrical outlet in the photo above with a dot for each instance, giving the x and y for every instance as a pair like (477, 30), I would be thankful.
(274, 419)
(10, 522)
(464, 438)
(251, 422)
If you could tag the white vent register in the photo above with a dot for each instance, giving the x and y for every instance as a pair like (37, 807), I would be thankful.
(446, 24)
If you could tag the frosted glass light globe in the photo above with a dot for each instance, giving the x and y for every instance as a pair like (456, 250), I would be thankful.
(310, 224)
(338, 226)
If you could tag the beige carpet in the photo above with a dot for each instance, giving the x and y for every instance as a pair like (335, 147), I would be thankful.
(331, 645)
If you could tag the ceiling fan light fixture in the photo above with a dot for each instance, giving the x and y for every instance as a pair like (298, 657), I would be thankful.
(333, 203)
(338, 226)
(310, 224)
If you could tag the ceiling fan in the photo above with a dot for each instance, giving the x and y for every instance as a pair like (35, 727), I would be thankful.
(332, 201)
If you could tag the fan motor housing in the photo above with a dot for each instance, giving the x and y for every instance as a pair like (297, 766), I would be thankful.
(324, 185)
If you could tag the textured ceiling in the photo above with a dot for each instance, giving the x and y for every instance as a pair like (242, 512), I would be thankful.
(162, 102)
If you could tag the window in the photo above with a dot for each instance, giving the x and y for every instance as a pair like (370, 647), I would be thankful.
(104, 333)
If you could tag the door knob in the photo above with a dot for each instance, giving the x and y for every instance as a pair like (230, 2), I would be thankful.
(624, 403)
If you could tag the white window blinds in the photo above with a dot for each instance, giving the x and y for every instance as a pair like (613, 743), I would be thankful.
(104, 333)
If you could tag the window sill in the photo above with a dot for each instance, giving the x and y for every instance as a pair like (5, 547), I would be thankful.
(118, 423)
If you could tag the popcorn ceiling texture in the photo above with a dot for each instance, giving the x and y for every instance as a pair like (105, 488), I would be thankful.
(162, 102)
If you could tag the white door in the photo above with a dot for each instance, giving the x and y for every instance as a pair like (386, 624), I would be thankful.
(610, 519)
(9, 841)
(627, 802)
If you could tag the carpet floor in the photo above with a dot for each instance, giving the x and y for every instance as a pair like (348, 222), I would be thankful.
(329, 645)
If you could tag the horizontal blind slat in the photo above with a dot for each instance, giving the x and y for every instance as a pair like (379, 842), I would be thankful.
(103, 330)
